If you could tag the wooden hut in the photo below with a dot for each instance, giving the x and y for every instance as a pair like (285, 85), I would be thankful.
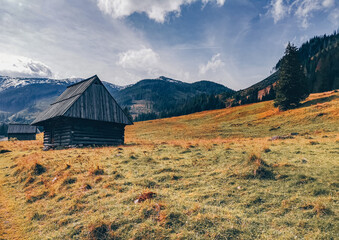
(84, 114)
(21, 131)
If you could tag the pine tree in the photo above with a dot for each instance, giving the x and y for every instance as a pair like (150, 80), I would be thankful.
(291, 87)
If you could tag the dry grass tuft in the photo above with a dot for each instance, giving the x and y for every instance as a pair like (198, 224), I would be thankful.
(260, 169)
(303, 179)
(100, 231)
(318, 208)
(34, 198)
(38, 169)
(97, 171)
(86, 187)
(69, 180)
(144, 196)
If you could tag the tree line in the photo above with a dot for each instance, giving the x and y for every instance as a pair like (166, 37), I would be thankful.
(198, 103)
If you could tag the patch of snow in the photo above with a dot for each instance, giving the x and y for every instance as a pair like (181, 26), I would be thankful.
(117, 87)
(168, 79)
(126, 86)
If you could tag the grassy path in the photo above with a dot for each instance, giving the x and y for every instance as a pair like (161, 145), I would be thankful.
(9, 225)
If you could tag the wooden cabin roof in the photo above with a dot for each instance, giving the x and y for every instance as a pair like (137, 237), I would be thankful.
(88, 99)
(21, 129)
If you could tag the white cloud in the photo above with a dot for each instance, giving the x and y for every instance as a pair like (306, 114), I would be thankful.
(278, 10)
(328, 3)
(18, 66)
(143, 63)
(138, 59)
(334, 17)
(212, 65)
(155, 9)
(302, 9)
(306, 8)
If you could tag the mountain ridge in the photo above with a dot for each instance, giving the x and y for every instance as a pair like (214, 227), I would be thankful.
(155, 95)
(21, 99)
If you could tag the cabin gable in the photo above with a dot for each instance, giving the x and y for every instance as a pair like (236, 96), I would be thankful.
(96, 103)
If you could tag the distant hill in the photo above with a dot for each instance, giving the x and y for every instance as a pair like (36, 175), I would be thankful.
(21, 99)
(157, 95)
(320, 59)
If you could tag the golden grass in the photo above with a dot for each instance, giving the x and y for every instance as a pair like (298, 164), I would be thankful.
(208, 171)
(253, 120)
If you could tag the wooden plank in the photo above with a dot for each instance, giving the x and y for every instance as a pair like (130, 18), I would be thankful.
(97, 142)
(98, 136)
(75, 139)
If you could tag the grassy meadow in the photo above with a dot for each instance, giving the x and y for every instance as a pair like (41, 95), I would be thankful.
(210, 175)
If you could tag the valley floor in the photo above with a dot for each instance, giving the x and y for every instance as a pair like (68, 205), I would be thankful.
(211, 175)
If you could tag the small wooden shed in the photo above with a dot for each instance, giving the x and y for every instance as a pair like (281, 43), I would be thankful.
(84, 114)
(21, 131)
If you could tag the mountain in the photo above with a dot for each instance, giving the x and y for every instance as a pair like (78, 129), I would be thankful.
(12, 65)
(320, 60)
(157, 95)
(21, 99)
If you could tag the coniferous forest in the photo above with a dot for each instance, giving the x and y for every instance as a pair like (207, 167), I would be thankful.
(320, 62)
(196, 104)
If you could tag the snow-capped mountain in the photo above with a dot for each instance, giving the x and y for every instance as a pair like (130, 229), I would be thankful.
(10, 82)
(21, 99)
(17, 82)
(12, 65)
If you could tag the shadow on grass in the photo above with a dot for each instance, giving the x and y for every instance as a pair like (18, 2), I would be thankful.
(318, 100)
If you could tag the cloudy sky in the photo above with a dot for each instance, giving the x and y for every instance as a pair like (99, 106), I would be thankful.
(233, 42)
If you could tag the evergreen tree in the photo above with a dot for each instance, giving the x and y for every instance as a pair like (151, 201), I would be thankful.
(291, 87)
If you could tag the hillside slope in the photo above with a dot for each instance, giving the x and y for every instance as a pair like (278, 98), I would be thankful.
(320, 60)
(210, 175)
(252, 120)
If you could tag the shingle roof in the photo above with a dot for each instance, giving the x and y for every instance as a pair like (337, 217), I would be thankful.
(75, 90)
(21, 128)
(65, 100)
(64, 105)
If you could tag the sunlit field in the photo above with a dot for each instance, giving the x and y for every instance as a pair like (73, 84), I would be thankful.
(248, 172)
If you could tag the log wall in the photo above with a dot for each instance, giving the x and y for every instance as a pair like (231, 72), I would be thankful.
(66, 132)
(58, 134)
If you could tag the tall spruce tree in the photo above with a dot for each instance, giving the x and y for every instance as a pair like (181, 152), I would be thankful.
(291, 87)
